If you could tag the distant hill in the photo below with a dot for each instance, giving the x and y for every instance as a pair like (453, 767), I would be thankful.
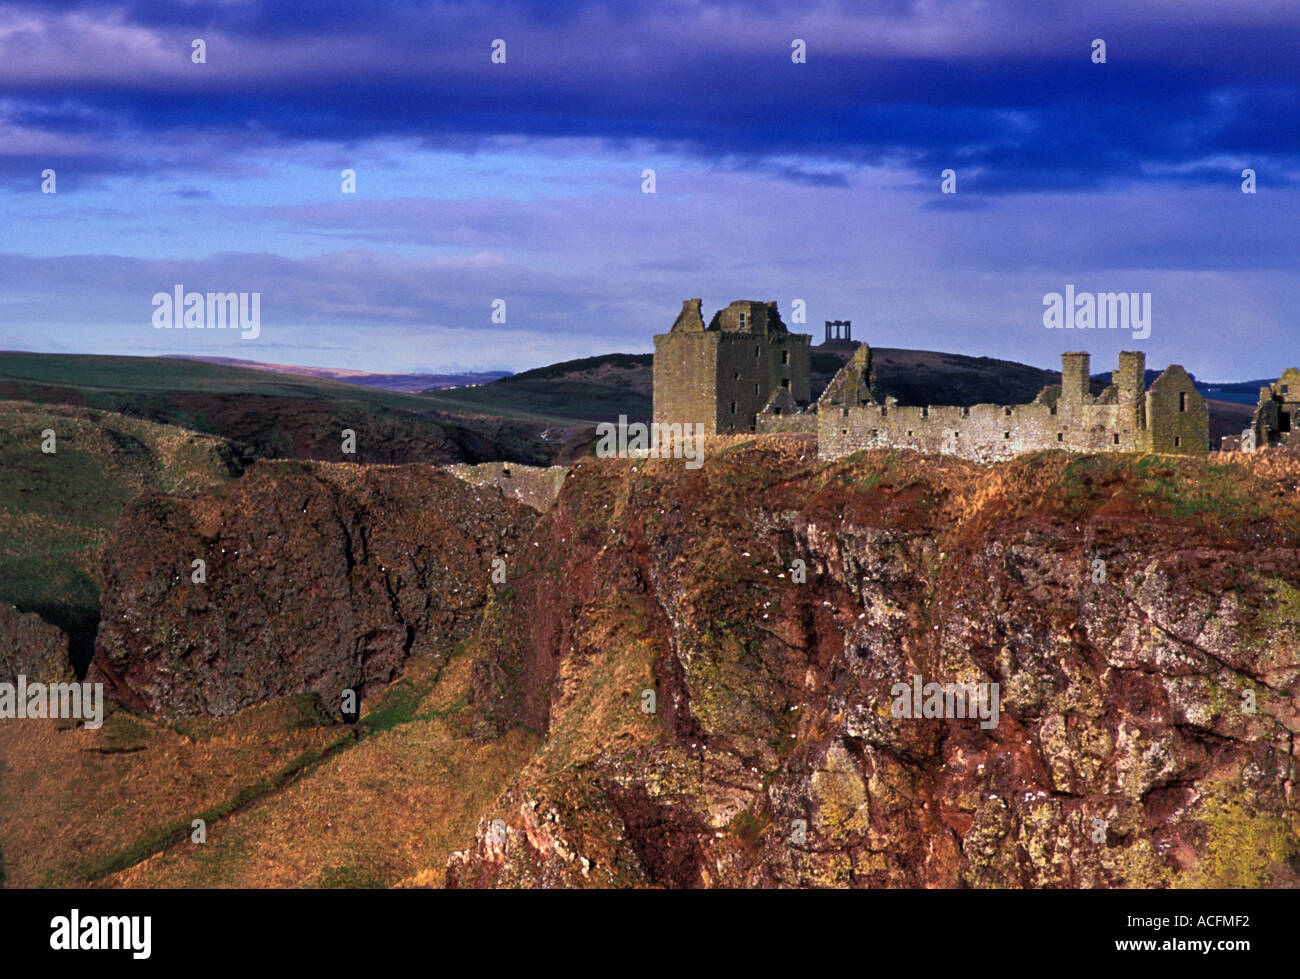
(929, 377)
(591, 389)
(411, 383)
(280, 415)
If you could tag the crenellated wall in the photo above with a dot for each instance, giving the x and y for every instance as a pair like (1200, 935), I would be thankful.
(1171, 417)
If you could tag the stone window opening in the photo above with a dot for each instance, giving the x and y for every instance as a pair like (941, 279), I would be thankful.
(785, 383)
(875, 433)
(844, 431)
(736, 376)
(1182, 400)
(755, 351)
(909, 433)
(1115, 439)
(965, 412)
(785, 356)
(742, 320)
(756, 390)
(733, 407)
(1060, 436)
(925, 412)
(1006, 411)
(1178, 441)
(1006, 435)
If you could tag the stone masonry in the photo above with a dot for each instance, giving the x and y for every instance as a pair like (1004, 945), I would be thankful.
(1169, 417)
(722, 375)
(1276, 423)
(746, 372)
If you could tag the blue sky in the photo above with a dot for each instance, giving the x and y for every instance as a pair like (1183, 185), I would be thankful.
(774, 180)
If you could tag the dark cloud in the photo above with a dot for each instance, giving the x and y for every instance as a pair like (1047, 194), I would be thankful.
(1022, 105)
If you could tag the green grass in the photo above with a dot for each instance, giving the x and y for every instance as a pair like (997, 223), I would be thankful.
(58, 509)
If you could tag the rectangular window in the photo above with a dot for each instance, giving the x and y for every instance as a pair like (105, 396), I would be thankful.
(733, 407)
(785, 356)
(1006, 435)
(785, 383)
(1060, 436)
(1115, 437)
(1182, 400)
(1178, 441)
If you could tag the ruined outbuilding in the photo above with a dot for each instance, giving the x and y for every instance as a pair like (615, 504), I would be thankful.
(1276, 423)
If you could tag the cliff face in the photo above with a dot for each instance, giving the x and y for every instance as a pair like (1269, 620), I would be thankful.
(1140, 616)
(317, 577)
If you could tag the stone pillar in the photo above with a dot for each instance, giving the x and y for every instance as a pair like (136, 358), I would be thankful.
(1074, 379)
(1130, 382)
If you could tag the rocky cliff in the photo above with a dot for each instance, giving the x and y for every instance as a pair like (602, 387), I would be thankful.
(313, 577)
(690, 677)
(713, 658)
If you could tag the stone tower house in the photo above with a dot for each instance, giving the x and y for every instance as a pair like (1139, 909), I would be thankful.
(721, 375)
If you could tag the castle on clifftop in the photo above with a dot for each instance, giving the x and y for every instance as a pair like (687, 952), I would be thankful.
(746, 372)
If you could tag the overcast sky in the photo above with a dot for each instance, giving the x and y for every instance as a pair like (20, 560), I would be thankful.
(775, 180)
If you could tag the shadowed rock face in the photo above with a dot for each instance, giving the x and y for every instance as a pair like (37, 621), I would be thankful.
(1148, 716)
(32, 648)
(318, 577)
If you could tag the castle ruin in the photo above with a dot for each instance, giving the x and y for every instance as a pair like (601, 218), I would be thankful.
(746, 372)
(1276, 422)
(724, 374)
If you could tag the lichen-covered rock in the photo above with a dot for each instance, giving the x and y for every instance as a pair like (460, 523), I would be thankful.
(315, 577)
(31, 647)
(1140, 615)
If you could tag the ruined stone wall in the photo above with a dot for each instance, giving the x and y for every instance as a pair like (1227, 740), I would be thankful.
(805, 422)
(685, 379)
(1067, 418)
(988, 433)
(744, 380)
(1177, 416)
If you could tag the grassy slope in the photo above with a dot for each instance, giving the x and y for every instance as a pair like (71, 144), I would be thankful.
(290, 797)
(57, 509)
